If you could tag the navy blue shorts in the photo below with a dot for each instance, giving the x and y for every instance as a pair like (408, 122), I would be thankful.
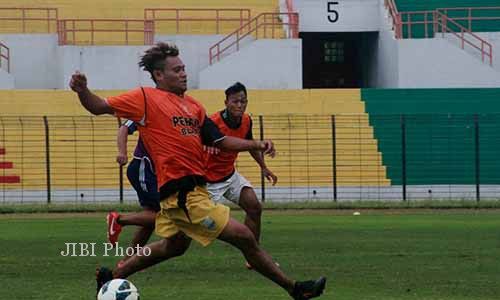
(141, 177)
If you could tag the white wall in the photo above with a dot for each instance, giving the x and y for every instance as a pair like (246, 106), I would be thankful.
(106, 67)
(353, 15)
(115, 67)
(33, 60)
(430, 63)
(438, 63)
(264, 64)
(38, 62)
(6, 80)
(494, 39)
(194, 52)
(384, 73)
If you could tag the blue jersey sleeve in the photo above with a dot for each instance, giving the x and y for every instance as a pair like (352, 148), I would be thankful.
(131, 126)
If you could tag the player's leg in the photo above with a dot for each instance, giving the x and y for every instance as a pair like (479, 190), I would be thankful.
(253, 209)
(240, 192)
(211, 220)
(149, 199)
(143, 180)
(145, 229)
(174, 243)
(242, 238)
(142, 234)
(145, 218)
(158, 251)
(150, 255)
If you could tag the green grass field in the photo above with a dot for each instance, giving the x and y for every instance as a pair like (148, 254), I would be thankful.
(382, 254)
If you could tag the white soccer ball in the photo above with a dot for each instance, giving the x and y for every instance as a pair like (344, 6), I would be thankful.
(118, 289)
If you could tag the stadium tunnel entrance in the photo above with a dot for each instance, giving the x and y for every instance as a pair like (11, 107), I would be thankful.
(338, 60)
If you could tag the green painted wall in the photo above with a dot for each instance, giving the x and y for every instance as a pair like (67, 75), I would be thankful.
(440, 133)
(477, 26)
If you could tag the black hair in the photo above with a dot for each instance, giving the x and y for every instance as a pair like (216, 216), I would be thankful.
(154, 57)
(235, 88)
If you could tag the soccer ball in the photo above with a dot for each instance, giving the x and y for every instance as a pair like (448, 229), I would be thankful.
(118, 289)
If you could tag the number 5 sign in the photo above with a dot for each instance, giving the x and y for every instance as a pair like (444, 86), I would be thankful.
(333, 15)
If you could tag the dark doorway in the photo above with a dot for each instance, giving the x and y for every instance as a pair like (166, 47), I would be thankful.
(335, 60)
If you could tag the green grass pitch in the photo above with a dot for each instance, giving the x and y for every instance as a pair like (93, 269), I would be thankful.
(381, 254)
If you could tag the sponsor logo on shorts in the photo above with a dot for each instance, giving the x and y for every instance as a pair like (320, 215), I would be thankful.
(208, 223)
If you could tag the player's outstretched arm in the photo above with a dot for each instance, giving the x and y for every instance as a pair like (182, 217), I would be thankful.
(236, 144)
(93, 103)
(211, 136)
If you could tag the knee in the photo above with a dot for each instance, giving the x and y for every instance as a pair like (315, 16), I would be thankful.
(254, 210)
(178, 250)
(180, 245)
(247, 239)
(249, 203)
(173, 248)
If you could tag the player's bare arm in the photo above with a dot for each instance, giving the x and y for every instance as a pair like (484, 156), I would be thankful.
(259, 158)
(93, 103)
(121, 142)
(236, 144)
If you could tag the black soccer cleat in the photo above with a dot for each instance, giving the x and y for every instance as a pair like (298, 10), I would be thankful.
(102, 275)
(304, 290)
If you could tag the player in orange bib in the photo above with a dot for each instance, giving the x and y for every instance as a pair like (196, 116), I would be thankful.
(224, 181)
(174, 127)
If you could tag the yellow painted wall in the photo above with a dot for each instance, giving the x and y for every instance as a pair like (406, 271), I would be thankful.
(298, 121)
(265, 102)
(132, 8)
(128, 9)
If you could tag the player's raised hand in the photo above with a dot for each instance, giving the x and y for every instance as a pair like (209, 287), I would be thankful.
(267, 148)
(78, 82)
(270, 176)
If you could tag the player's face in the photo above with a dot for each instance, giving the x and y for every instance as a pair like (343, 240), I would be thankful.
(174, 77)
(236, 104)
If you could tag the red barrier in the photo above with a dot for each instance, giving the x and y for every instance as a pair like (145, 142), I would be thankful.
(465, 36)
(395, 16)
(262, 23)
(30, 18)
(442, 22)
(70, 31)
(470, 14)
(4, 57)
(186, 15)
(295, 18)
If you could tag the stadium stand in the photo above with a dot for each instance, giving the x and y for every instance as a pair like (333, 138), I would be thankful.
(349, 138)
(410, 5)
(70, 9)
(477, 16)
(440, 131)
(179, 17)
(22, 140)
(5, 177)
(83, 149)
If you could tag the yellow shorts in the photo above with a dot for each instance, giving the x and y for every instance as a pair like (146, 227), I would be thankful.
(207, 218)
